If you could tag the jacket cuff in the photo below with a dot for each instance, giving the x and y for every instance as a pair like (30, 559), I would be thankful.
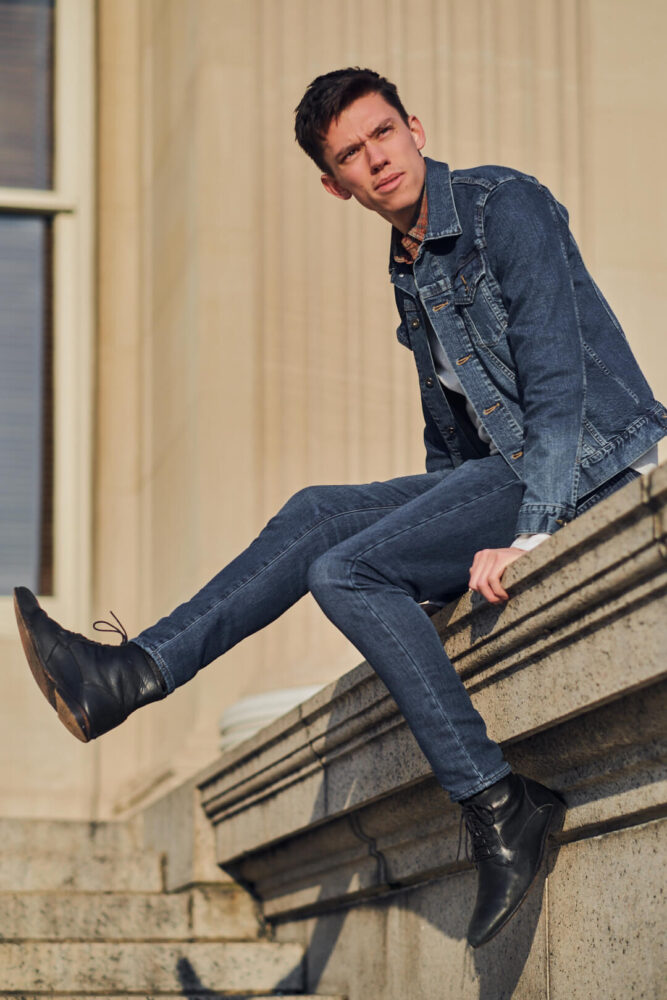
(537, 519)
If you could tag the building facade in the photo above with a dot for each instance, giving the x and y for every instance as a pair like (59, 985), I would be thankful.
(222, 334)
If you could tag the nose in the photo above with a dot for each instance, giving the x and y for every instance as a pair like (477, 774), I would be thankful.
(377, 157)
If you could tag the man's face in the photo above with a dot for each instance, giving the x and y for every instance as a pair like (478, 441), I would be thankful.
(374, 156)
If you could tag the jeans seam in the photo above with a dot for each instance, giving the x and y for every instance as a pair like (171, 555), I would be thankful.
(279, 555)
(506, 769)
(419, 673)
(441, 513)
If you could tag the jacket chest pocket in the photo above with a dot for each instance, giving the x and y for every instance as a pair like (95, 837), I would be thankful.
(484, 317)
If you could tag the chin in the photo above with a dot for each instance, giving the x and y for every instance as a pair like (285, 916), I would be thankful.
(405, 204)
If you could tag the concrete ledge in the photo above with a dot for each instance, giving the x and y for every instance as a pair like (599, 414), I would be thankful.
(175, 827)
(331, 818)
(334, 801)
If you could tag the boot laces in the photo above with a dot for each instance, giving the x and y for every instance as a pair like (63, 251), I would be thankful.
(104, 626)
(481, 840)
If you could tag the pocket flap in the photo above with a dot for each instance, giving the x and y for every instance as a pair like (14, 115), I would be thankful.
(402, 335)
(467, 277)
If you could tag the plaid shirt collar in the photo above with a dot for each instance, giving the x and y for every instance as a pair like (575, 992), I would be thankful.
(405, 247)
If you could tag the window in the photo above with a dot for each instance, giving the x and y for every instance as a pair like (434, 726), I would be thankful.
(26, 410)
(46, 145)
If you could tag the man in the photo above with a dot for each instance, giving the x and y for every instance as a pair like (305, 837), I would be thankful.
(535, 409)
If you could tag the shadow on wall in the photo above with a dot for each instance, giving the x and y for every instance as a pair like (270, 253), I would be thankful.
(191, 984)
(496, 968)
(193, 988)
(446, 904)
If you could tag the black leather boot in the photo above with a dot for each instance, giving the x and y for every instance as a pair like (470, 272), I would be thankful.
(508, 823)
(92, 686)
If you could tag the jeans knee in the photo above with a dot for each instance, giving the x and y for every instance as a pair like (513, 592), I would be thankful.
(337, 571)
(310, 503)
(326, 575)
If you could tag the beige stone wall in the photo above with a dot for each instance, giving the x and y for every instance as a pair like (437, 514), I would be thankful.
(245, 338)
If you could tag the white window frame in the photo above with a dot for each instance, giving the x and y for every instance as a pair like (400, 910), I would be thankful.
(70, 205)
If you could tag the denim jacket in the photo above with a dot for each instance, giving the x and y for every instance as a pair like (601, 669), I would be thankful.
(537, 350)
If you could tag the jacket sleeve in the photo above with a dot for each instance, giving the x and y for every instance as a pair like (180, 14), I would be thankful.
(529, 246)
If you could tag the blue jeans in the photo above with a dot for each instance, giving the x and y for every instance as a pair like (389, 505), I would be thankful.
(368, 554)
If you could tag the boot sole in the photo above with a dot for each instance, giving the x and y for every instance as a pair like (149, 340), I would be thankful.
(69, 712)
(554, 826)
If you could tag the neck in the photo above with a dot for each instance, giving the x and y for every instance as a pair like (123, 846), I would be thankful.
(407, 217)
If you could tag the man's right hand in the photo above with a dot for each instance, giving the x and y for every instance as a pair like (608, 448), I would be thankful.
(487, 569)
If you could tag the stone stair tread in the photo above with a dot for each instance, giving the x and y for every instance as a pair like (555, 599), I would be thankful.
(84, 914)
(173, 996)
(202, 913)
(64, 836)
(22, 871)
(96, 967)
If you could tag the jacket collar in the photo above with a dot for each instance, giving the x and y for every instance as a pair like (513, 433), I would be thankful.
(443, 219)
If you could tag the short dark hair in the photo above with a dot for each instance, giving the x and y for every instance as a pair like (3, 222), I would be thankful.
(327, 96)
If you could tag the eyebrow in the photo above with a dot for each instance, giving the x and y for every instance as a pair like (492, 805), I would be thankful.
(353, 145)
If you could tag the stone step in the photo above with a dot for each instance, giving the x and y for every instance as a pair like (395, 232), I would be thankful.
(53, 836)
(140, 871)
(207, 912)
(186, 969)
(178, 996)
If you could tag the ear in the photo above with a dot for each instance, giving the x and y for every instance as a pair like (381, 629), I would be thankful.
(331, 185)
(418, 133)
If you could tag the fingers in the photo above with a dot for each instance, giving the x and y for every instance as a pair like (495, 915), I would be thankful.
(487, 569)
(485, 576)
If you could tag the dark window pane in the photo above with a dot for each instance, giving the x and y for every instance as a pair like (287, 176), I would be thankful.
(26, 419)
(26, 71)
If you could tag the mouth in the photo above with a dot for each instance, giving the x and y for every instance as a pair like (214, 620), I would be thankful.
(389, 183)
